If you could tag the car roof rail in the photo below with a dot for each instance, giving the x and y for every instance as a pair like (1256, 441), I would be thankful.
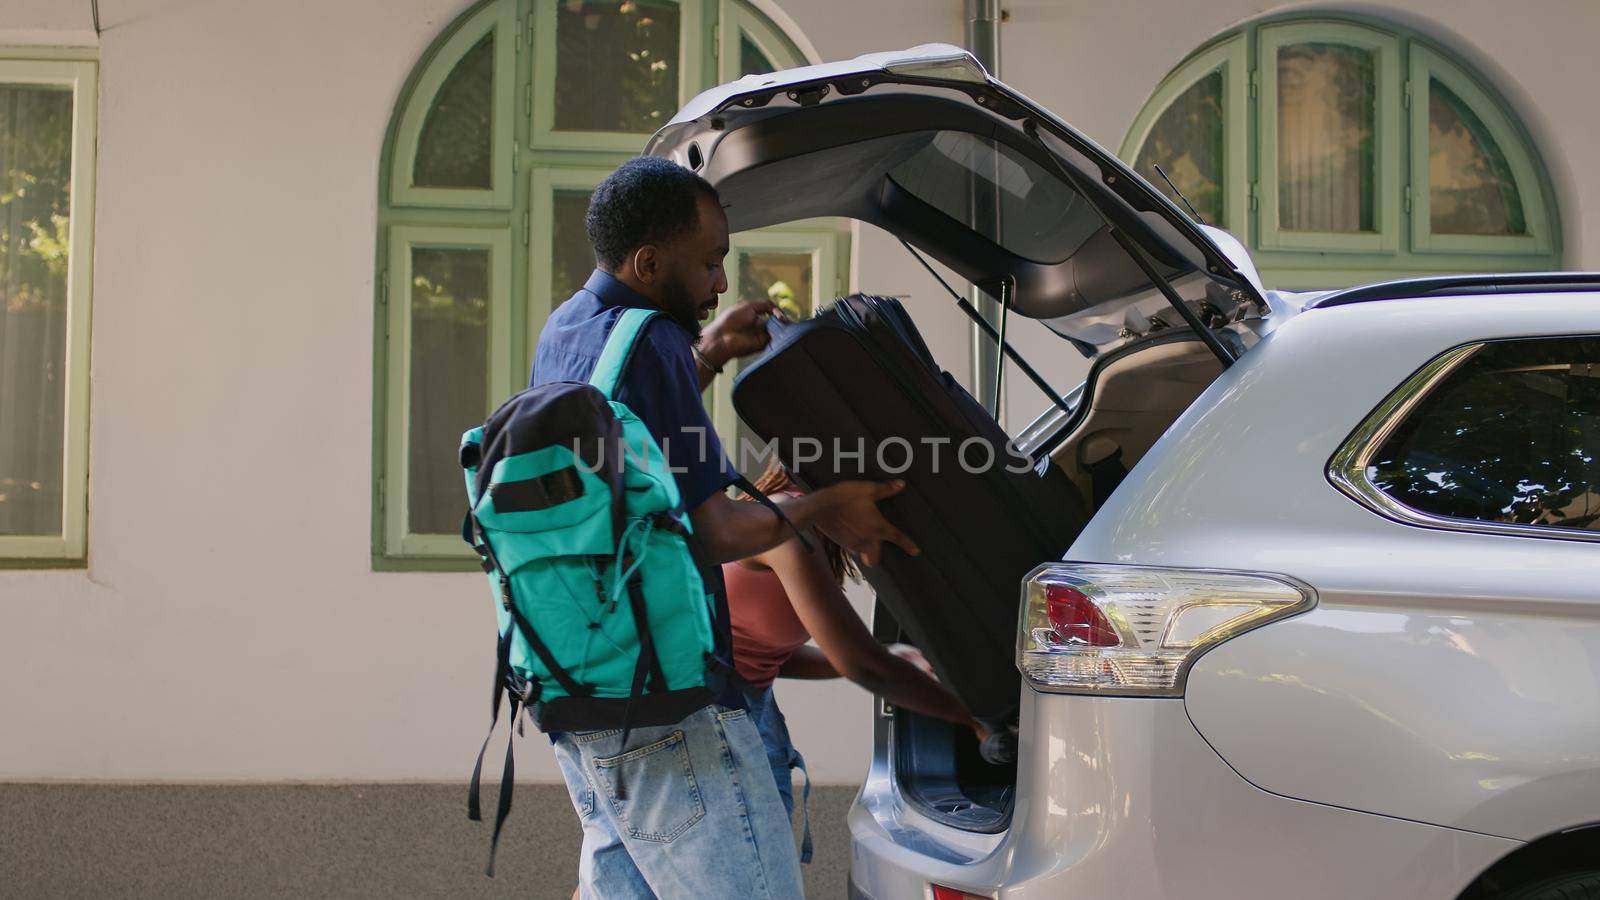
(1459, 285)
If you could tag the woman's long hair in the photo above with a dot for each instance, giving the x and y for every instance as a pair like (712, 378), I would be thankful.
(775, 479)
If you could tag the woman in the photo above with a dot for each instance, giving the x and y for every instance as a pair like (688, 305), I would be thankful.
(780, 599)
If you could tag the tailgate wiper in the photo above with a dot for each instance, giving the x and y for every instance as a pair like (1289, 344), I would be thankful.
(983, 324)
(1135, 252)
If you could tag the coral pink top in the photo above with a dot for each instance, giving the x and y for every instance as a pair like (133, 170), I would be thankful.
(766, 631)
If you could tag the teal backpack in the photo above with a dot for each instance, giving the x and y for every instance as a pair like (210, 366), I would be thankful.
(608, 615)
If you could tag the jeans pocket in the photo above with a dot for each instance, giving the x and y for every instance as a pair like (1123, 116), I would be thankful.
(652, 789)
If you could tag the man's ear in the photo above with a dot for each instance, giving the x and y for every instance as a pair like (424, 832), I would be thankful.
(646, 264)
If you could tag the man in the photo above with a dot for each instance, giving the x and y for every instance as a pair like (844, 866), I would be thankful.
(691, 809)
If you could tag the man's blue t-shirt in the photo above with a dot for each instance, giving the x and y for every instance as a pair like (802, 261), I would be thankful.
(660, 384)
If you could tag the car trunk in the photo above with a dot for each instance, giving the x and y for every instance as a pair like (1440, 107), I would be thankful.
(925, 145)
(1127, 402)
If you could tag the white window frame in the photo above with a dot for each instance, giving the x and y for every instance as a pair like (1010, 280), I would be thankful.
(80, 75)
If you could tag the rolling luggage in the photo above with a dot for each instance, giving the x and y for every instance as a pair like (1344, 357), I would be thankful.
(854, 393)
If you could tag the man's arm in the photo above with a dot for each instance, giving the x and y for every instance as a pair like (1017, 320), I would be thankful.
(846, 512)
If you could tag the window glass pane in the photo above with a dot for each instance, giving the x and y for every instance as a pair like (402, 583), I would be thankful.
(35, 188)
(573, 256)
(998, 192)
(616, 65)
(1186, 142)
(751, 60)
(454, 149)
(784, 278)
(1470, 188)
(449, 384)
(1511, 436)
(1326, 113)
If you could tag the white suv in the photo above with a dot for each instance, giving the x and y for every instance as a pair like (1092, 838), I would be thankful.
(1333, 629)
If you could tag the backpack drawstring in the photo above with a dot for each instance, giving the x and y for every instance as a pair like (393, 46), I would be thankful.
(619, 580)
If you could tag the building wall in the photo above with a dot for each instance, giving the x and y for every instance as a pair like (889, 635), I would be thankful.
(229, 625)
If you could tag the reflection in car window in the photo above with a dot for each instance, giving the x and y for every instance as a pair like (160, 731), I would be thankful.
(1000, 193)
(1512, 436)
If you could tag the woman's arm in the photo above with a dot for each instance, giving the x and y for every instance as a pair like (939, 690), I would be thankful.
(845, 641)
(807, 662)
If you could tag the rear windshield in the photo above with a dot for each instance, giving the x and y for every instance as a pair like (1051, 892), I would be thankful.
(1000, 193)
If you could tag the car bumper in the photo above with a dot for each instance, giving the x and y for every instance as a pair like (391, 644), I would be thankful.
(1123, 797)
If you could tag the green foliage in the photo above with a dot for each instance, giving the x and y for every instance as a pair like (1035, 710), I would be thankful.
(616, 65)
(35, 196)
(450, 286)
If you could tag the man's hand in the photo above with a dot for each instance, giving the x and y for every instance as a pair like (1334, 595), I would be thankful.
(850, 516)
(740, 330)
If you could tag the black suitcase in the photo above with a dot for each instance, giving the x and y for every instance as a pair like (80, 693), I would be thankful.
(858, 375)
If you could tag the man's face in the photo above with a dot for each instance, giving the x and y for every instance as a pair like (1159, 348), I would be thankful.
(693, 276)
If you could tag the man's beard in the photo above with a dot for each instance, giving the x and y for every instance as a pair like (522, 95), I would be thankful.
(681, 307)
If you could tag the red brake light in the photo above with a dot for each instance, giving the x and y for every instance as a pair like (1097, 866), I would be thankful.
(940, 892)
(1076, 619)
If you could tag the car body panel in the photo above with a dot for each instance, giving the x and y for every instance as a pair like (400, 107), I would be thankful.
(1446, 676)
(1482, 716)
(1122, 797)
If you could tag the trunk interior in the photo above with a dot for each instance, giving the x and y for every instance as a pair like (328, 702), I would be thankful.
(1128, 400)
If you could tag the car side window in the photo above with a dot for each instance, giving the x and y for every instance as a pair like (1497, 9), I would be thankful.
(1512, 436)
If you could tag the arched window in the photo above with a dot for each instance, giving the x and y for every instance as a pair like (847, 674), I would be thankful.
(1344, 151)
(505, 126)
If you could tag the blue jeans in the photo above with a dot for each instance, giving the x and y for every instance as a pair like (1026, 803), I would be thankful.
(685, 810)
(783, 758)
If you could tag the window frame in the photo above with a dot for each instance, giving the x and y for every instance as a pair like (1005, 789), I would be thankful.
(1348, 468)
(1427, 66)
(734, 19)
(542, 188)
(78, 71)
(1230, 57)
(1386, 124)
(399, 540)
(501, 20)
(691, 68)
(1320, 267)
(827, 244)
(515, 215)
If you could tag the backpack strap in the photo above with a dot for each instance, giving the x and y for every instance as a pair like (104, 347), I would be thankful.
(756, 494)
(618, 351)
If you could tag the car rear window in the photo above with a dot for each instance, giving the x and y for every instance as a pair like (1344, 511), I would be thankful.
(1000, 193)
(1512, 436)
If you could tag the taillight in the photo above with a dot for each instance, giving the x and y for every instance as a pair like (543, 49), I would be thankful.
(1074, 619)
(1135, 630)
(940, 892)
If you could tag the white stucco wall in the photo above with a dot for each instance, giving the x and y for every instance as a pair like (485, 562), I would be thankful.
(229, 625)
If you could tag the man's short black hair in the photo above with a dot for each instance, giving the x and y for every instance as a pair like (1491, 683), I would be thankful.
(647, 200)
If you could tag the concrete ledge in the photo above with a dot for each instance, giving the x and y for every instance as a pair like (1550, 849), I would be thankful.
(291, 840)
